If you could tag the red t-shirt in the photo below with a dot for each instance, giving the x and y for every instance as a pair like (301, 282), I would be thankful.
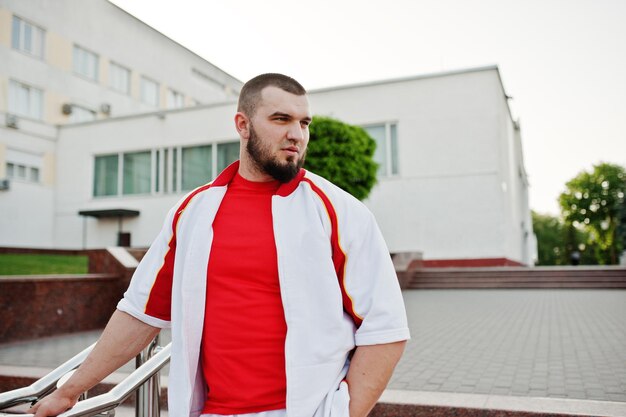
(243, 344)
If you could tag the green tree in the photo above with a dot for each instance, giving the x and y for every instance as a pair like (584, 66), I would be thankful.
(343, 154)
(550, 240)
(594, 202)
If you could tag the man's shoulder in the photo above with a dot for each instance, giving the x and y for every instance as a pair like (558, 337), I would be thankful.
(337, 196)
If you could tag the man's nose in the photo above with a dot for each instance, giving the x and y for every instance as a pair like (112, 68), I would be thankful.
(295, 132)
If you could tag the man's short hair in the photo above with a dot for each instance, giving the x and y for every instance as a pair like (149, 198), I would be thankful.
(250, 95)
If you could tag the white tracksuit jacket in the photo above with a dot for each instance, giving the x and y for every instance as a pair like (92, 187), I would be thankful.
(338, 288)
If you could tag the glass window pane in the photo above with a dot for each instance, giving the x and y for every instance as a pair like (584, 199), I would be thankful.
(137, 172)
(21, 171)
(149, 92)
(394, 149)
(80, 115)
(10, 170)
(105, 175)
(227, 153)
(377, 132)
(36, 103)
(38, 42)
(15, 33)
(119, 78)
(28, 38)
(174, 99)
(85, 63)
(34, 174)
(157, 170)
(196, 166)
(175, 169)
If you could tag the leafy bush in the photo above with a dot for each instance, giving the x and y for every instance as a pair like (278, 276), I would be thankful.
(343, 154)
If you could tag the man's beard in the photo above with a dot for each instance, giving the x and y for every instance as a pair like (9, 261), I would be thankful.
(269, 164)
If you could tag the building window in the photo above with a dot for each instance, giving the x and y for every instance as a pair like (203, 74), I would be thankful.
(119, 78)
(137, 172)
(85, 63)
(23, 166)
(196, 166)
(158, 171)
(149, 92)
(33, 174)
(27, 38)
(227, 153)
(106, 175)
(81, 114)
(175, 100)
(386, 154)
(25, 100)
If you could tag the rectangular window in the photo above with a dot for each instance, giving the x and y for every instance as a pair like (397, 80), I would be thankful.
(21, 172)
(119, 78)
(25, 100)
(175, 99)
(149, 92)
(175, 173)
(105, 175)
(386, 154)
(27, 38)
(24, 166)
(227, 153)
(137, 172)
(85, 63)
(81, 114)
(196, 166)
(34, 174)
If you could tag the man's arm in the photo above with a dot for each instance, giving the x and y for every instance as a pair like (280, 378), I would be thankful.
(123, 338)
(370, 369)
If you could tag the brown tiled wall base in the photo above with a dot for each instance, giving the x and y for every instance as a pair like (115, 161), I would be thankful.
(34, 306)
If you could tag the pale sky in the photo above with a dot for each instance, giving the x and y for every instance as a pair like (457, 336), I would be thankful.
(562, 61)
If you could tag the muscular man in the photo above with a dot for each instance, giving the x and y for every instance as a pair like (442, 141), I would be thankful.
(277, 285)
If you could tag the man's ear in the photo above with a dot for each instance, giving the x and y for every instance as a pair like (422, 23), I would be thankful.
(242, 124)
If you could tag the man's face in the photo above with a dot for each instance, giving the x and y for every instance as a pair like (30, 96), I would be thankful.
(279, 134)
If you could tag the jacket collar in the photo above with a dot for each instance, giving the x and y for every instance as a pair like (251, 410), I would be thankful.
(226, 176)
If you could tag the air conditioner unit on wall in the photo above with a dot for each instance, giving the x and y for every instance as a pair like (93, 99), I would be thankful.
(105, 108)
(66, 109)
(11, 121)
(4, 184)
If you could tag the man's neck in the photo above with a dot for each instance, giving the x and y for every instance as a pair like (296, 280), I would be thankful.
(249, 171)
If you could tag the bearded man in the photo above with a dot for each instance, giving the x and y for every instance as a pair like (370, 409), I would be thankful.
(277, 285)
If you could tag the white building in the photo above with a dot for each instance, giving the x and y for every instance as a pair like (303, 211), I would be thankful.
(452, 183)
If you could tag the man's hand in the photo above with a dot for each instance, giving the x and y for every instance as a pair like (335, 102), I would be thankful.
(53, 404)
(370, 370)
(123, 338)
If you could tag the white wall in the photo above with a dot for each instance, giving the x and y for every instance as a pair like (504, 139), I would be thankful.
(455, 138)
(26, 208)
(113, 35)
(79, 144)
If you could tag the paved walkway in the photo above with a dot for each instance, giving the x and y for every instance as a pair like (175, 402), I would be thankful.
(521, 343)
(535, 343)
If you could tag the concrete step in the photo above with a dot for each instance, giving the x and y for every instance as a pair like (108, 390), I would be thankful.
(565, 277)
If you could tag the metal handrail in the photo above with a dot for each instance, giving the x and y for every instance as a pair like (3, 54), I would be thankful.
(121, 391)
(44, 385)
(109, 400)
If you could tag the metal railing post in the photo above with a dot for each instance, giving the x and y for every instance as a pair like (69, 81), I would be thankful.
(148, 397)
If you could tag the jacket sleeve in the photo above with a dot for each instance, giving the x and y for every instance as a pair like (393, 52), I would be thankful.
(372, 284)
(149, 295)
